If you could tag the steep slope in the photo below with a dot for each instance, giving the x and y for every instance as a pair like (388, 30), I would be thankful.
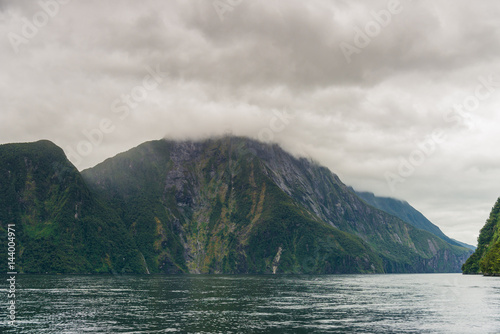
(209, 207)
(407, 213)
(486, 258)
(403, 248)
(60, 226)
(463, 244)
(233, 205)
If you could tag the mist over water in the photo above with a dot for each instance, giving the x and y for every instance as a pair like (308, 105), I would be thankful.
(410, 303)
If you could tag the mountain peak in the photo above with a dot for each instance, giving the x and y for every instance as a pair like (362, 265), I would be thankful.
(36, 150)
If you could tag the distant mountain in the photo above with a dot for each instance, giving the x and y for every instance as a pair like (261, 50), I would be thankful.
(234, 205)
(409, 214)
(463, 244)
(60, 226)
(225, 205)
(486, 259)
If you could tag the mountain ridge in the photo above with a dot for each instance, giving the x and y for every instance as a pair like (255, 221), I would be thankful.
(223, 205)
(404, 211)
(299, 180)
(60, 227)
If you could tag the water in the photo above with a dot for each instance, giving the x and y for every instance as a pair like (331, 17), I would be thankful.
(431, 303)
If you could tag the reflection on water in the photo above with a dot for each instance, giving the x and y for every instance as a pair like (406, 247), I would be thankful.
(431, 303)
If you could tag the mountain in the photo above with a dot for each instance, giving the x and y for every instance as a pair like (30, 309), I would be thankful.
(60, 226)
(234, 205)
(409, 214)
(463, 244)
(486, 258)
(224, 205)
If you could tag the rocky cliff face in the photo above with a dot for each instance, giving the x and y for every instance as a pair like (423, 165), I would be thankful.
(323, 194)
(486, 258)
(228, 205)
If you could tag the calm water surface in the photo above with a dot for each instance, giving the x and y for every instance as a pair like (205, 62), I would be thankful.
(431, 303)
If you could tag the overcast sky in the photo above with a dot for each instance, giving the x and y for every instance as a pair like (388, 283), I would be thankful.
(396, 97)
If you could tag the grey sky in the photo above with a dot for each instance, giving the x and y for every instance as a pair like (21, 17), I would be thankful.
(136, 71)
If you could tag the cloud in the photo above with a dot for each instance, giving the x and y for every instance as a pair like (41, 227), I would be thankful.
(263, 60)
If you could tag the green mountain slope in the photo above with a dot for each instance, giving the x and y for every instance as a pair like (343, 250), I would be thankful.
(60, 226)
(233, 205)
(409, 214)
(227, 205)
(486, 259)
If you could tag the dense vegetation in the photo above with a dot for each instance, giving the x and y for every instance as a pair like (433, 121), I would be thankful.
(219, 207)
(486, 258)
(60, 226)
(228, 205)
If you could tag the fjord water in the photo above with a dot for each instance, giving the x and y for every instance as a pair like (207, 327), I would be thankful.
(421, 303)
